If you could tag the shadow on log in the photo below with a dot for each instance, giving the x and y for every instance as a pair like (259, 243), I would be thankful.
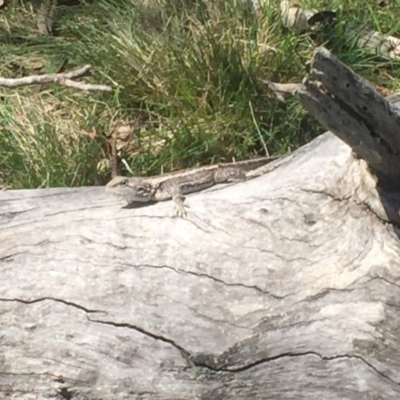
(282, 287)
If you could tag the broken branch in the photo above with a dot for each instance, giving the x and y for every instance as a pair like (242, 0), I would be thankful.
(63, 79)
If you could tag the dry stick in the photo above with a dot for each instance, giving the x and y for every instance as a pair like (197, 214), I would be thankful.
(80, 85)
(282, 90)
(114, 155)
(63, 79)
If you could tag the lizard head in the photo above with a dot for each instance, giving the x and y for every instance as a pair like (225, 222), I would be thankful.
(130, 189)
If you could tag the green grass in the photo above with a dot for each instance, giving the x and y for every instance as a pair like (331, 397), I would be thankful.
(187, 76)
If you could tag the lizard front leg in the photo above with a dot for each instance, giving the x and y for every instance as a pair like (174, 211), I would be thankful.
(221, 175)
(178, 198)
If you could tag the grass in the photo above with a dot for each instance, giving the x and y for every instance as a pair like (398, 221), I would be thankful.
(187, 78)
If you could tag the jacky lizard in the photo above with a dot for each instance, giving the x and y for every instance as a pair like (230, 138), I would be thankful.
(175, 185)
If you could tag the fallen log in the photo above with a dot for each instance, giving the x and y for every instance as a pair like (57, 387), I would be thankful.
(285, 286)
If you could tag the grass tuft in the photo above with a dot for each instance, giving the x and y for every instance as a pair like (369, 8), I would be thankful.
(187, 77)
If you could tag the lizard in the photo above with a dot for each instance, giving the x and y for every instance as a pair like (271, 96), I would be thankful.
(174, 186)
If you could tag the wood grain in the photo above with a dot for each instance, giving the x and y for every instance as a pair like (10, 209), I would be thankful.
(283, 287)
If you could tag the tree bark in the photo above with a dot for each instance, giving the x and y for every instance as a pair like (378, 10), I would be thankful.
(355, 111)
(282, 287)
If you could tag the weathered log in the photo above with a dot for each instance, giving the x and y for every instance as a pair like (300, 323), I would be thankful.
(357, 113)
(282, 287)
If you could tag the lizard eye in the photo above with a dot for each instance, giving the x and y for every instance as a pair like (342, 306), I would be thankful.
(143, 191)
(124, 182)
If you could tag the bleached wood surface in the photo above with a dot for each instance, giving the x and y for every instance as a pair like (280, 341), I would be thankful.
(283, 287)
